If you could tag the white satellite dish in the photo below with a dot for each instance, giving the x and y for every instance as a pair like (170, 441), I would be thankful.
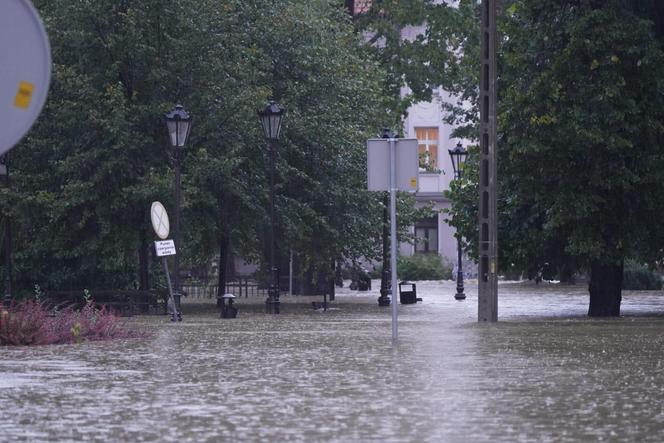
(160, 222)
(25, 70)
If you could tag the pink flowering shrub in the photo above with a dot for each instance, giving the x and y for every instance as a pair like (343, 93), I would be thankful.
(32, 323)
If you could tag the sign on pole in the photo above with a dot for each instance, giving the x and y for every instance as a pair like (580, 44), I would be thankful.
(25, 70)
(392, 165)
(378, 164)
(160, 222)
(164, 248)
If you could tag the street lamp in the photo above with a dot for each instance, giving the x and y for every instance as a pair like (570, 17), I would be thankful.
(271, 118)
(178, 124)
(458, 155)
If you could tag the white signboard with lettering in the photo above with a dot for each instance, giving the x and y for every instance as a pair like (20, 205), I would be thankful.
(164, 247)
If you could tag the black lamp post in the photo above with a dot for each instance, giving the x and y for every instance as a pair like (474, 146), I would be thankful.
(4, 172)
(458, 155)
(271, 118)
(178, 123)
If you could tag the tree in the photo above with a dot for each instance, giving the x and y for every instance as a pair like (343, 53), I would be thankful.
(417, 65)
(96, 158)
(319, 69)
(579, 146)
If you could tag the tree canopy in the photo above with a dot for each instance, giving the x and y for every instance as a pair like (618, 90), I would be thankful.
(84, 177)
(580, 155)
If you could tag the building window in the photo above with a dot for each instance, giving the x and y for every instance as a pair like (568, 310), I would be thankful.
(427, 147)
(426, 235)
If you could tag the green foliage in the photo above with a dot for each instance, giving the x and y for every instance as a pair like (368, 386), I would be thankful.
(424, 267)
(84, 178)
(637, 276)
(419, 63)
(580, 130)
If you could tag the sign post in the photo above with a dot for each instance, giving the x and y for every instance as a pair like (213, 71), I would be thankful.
(164, 248)
(392, 165)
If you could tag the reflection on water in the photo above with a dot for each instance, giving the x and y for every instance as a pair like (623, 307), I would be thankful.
(545, 372)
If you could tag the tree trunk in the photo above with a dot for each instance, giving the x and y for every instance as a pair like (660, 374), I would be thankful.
(143, 261)
(605, 290)
(224, 243)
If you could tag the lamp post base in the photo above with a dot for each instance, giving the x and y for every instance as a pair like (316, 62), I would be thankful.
(384, 301)
(272, 303)
(460, 296)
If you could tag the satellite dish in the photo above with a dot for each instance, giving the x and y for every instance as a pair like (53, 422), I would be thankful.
(25, 70)
(160, 222)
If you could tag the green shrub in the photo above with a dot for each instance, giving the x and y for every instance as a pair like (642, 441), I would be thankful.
(424, 267)
(637, 276)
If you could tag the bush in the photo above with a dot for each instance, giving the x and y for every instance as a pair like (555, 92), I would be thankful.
(32, 323)
(637, 276)
(424, 267)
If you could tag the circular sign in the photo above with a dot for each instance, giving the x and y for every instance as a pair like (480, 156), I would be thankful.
(160, 220)
(25, 70)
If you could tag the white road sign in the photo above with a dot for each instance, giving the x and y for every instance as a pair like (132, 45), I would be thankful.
(159, 219)
(164, 247)
(25, 70)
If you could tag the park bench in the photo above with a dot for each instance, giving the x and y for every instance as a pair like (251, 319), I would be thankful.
(124, 302)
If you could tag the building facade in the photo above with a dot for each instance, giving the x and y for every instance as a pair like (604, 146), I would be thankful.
(425, 123)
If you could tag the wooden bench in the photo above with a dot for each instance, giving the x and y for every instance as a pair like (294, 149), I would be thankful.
(123, 302)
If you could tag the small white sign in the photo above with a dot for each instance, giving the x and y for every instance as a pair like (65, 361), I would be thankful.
(164, 247)
(160, 222)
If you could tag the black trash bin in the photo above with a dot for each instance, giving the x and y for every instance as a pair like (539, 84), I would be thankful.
(227, 308)
(407, 293)
(364, 281)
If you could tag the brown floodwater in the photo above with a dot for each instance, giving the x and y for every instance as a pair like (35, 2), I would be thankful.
(544, 373)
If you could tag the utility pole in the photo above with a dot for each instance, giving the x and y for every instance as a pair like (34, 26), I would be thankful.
(488, 219)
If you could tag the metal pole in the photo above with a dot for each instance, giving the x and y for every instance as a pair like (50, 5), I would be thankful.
(459, 294)
(176, 226)
(384, 300)
(487, 309)
(273, 290)
(8, 242)
(459, 280)
(393, 233)
(175, 313)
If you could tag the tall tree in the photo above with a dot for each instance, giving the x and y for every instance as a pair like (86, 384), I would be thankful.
(96, 158)
(580, 154)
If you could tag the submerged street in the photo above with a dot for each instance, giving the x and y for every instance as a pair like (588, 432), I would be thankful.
(545, 372)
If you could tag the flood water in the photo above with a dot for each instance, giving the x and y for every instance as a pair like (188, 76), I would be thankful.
(543, 373)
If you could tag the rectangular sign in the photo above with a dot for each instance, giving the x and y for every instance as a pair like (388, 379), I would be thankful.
(164, 247)
(378, 164)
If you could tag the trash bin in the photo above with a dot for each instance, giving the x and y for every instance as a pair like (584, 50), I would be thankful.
(227, 308)
(407, 293)
(364, 281)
